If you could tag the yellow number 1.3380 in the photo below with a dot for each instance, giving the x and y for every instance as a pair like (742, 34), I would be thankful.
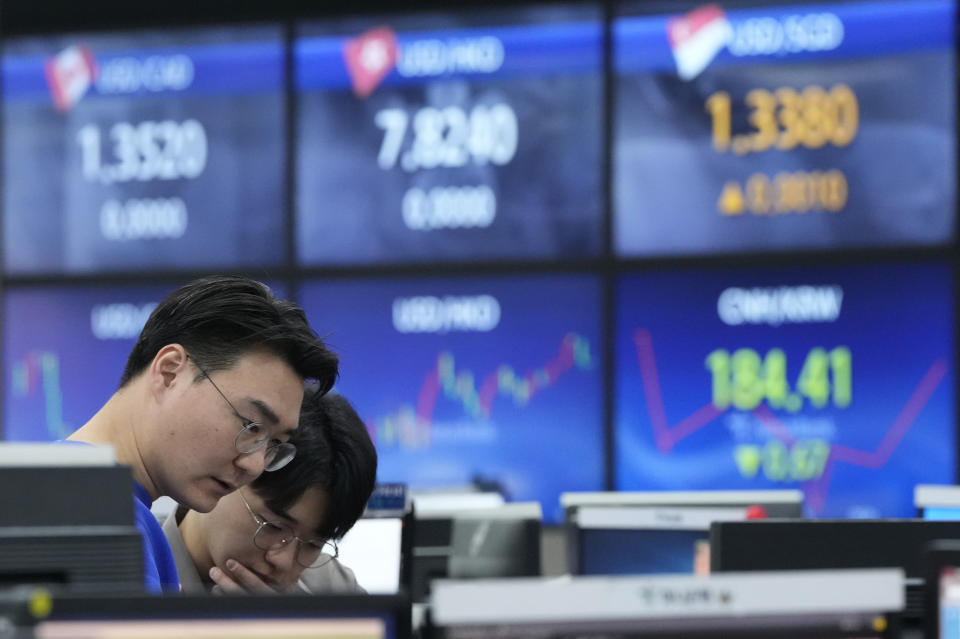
(786, 118)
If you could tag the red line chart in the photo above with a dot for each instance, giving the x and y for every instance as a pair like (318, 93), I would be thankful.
(40, 371)
(412, 428)
(667, 436)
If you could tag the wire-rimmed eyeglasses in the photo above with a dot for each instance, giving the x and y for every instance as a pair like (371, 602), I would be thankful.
(249, 440)
(310, 553)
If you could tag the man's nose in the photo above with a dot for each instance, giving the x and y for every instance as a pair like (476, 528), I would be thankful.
(284, 557)
(252, 463)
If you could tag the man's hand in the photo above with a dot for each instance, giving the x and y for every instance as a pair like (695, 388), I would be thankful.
(238, 579)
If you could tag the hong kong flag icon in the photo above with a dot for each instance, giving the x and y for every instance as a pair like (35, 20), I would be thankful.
(369, 58)
(70, 75)
(697, 37)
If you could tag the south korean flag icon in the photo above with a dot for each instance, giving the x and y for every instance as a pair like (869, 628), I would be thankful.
(697, 37)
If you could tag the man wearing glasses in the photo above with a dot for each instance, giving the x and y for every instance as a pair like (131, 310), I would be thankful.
(262, 537)
(214, 339)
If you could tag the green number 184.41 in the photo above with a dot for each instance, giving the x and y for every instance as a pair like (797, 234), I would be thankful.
(744, 379)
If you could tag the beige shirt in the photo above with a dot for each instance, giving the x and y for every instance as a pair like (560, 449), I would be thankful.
(332, 577)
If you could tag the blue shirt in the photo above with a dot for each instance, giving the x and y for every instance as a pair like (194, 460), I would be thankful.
(159, 567)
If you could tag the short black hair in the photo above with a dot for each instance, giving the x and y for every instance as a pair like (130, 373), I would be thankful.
(334, 452)
(219, 319)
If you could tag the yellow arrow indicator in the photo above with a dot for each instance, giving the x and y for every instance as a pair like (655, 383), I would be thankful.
(731, 199)
(40, 603)
(748, 460)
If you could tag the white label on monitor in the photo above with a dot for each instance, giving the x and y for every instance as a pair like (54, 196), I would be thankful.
(49, 455)
(444, 504)
(677, 518)
(663, 597)
(935, 495)
(681, 497)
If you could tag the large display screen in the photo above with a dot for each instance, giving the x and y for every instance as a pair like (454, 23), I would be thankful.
(64, 352)
(465, 136)
(65, 349)
(143, 150)
(748, 128)
(837, 381)
(495, 381)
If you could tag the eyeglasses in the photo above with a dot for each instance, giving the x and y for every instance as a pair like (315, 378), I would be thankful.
(249, 440)
(310, 553)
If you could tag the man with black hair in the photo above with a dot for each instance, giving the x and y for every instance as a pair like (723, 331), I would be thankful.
(209, 397)
(261, 538)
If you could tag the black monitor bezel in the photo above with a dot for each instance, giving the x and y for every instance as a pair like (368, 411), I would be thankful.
(142, 607)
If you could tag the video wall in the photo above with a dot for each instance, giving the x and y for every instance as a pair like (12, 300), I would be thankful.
(558, 247)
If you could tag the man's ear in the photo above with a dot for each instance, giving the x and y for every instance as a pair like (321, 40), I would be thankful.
(169, 366)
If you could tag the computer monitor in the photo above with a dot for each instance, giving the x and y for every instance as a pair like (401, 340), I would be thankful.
(643, 540)
(815, 544)
(942, 589)
(203, 616)
(502, 541)
(937, 501)
(373, 551)
(66, 521)
(821, 604)
(659, 532)
(378, 546)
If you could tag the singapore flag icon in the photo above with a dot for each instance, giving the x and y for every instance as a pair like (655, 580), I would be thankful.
(697, 37)
(70, 74)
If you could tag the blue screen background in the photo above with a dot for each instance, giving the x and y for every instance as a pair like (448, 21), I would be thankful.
(638, 552)
(898, 430)
(534, 450)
